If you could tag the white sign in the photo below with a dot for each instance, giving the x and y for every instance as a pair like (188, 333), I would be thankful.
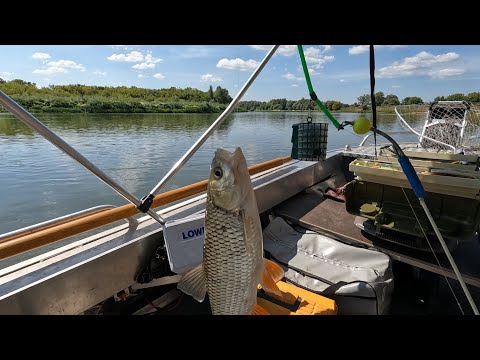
(184, 242)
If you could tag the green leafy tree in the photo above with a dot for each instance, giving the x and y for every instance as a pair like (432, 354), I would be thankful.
(333, 105)
(210, 92)
(474, 97)
(379, 98)
(456, 97)
(391, 99)
(364, 101)
(439, 98)
(221, 95)
(412, 100)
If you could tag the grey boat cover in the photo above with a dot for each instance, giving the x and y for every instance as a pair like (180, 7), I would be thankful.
(358, 279)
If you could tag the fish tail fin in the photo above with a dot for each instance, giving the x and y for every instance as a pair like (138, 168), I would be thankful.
(272, 274)
(258, 310)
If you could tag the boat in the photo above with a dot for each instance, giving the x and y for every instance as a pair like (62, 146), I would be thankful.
(346, 225)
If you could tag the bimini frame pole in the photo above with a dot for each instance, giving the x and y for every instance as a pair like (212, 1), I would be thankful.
(31, 121)
(147, 200)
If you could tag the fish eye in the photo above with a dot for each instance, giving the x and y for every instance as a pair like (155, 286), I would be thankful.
(217, 173)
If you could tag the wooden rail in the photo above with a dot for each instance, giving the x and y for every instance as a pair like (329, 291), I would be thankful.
(16, 244)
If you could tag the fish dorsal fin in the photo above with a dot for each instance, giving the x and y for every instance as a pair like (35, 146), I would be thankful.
(258, 310)
(193, 283)
(272, 273)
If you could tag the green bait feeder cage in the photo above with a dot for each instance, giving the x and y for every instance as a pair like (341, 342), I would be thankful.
(309, 140)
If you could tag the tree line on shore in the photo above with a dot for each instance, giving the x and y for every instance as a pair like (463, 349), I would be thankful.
(123, 99)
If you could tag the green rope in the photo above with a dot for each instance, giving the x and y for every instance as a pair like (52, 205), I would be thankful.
(313, 96)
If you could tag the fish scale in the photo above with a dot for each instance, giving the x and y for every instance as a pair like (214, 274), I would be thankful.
(228, 267)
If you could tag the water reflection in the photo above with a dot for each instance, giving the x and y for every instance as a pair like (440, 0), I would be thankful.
(115, 122)
(38, 181)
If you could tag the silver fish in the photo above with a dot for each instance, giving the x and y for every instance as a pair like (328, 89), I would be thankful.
(233, 265)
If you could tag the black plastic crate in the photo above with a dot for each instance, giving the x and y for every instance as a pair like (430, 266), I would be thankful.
(309, 141)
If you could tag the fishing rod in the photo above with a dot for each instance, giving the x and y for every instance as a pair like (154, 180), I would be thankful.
(359, 125)
(362, 126)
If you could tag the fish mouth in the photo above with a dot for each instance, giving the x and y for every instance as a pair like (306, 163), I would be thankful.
(223, 188)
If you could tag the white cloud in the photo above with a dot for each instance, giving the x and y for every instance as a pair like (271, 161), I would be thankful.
(443, 73)
(121, 47)
(143, 66)
(59, 67)
(52, 70)
(315, 58)
(238, 64)
(396, 86)
(149, 59)
(149, 63)
(41, 56)
(327, 47)
(361, 49)
(295, 85)
(140, 76)
(100, 73)
(6, 73)
(290, 76)
(285, 50)
(133, 56)
(159, 76)
(146, 61)
(210, 78)
(342, 80)
(422, 63)
(66, 64)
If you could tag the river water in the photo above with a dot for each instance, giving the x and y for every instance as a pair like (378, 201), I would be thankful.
(39, 182)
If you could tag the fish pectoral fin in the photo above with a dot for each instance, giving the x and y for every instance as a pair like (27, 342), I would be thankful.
(193, 283)
(272, 273)
(274, 269)
(258, 310)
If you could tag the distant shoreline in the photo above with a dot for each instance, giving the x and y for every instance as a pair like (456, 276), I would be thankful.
(77, 99)
(380, 109)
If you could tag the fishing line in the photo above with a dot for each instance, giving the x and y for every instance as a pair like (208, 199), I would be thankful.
(433, 252)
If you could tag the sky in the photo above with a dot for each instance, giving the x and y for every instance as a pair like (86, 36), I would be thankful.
(339, 72)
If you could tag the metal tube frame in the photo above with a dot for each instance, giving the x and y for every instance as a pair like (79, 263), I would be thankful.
(421, 135)
(31, 121)
(183, 160)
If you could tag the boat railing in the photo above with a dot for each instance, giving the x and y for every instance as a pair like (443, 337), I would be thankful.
(45, 233)
(60, 220)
